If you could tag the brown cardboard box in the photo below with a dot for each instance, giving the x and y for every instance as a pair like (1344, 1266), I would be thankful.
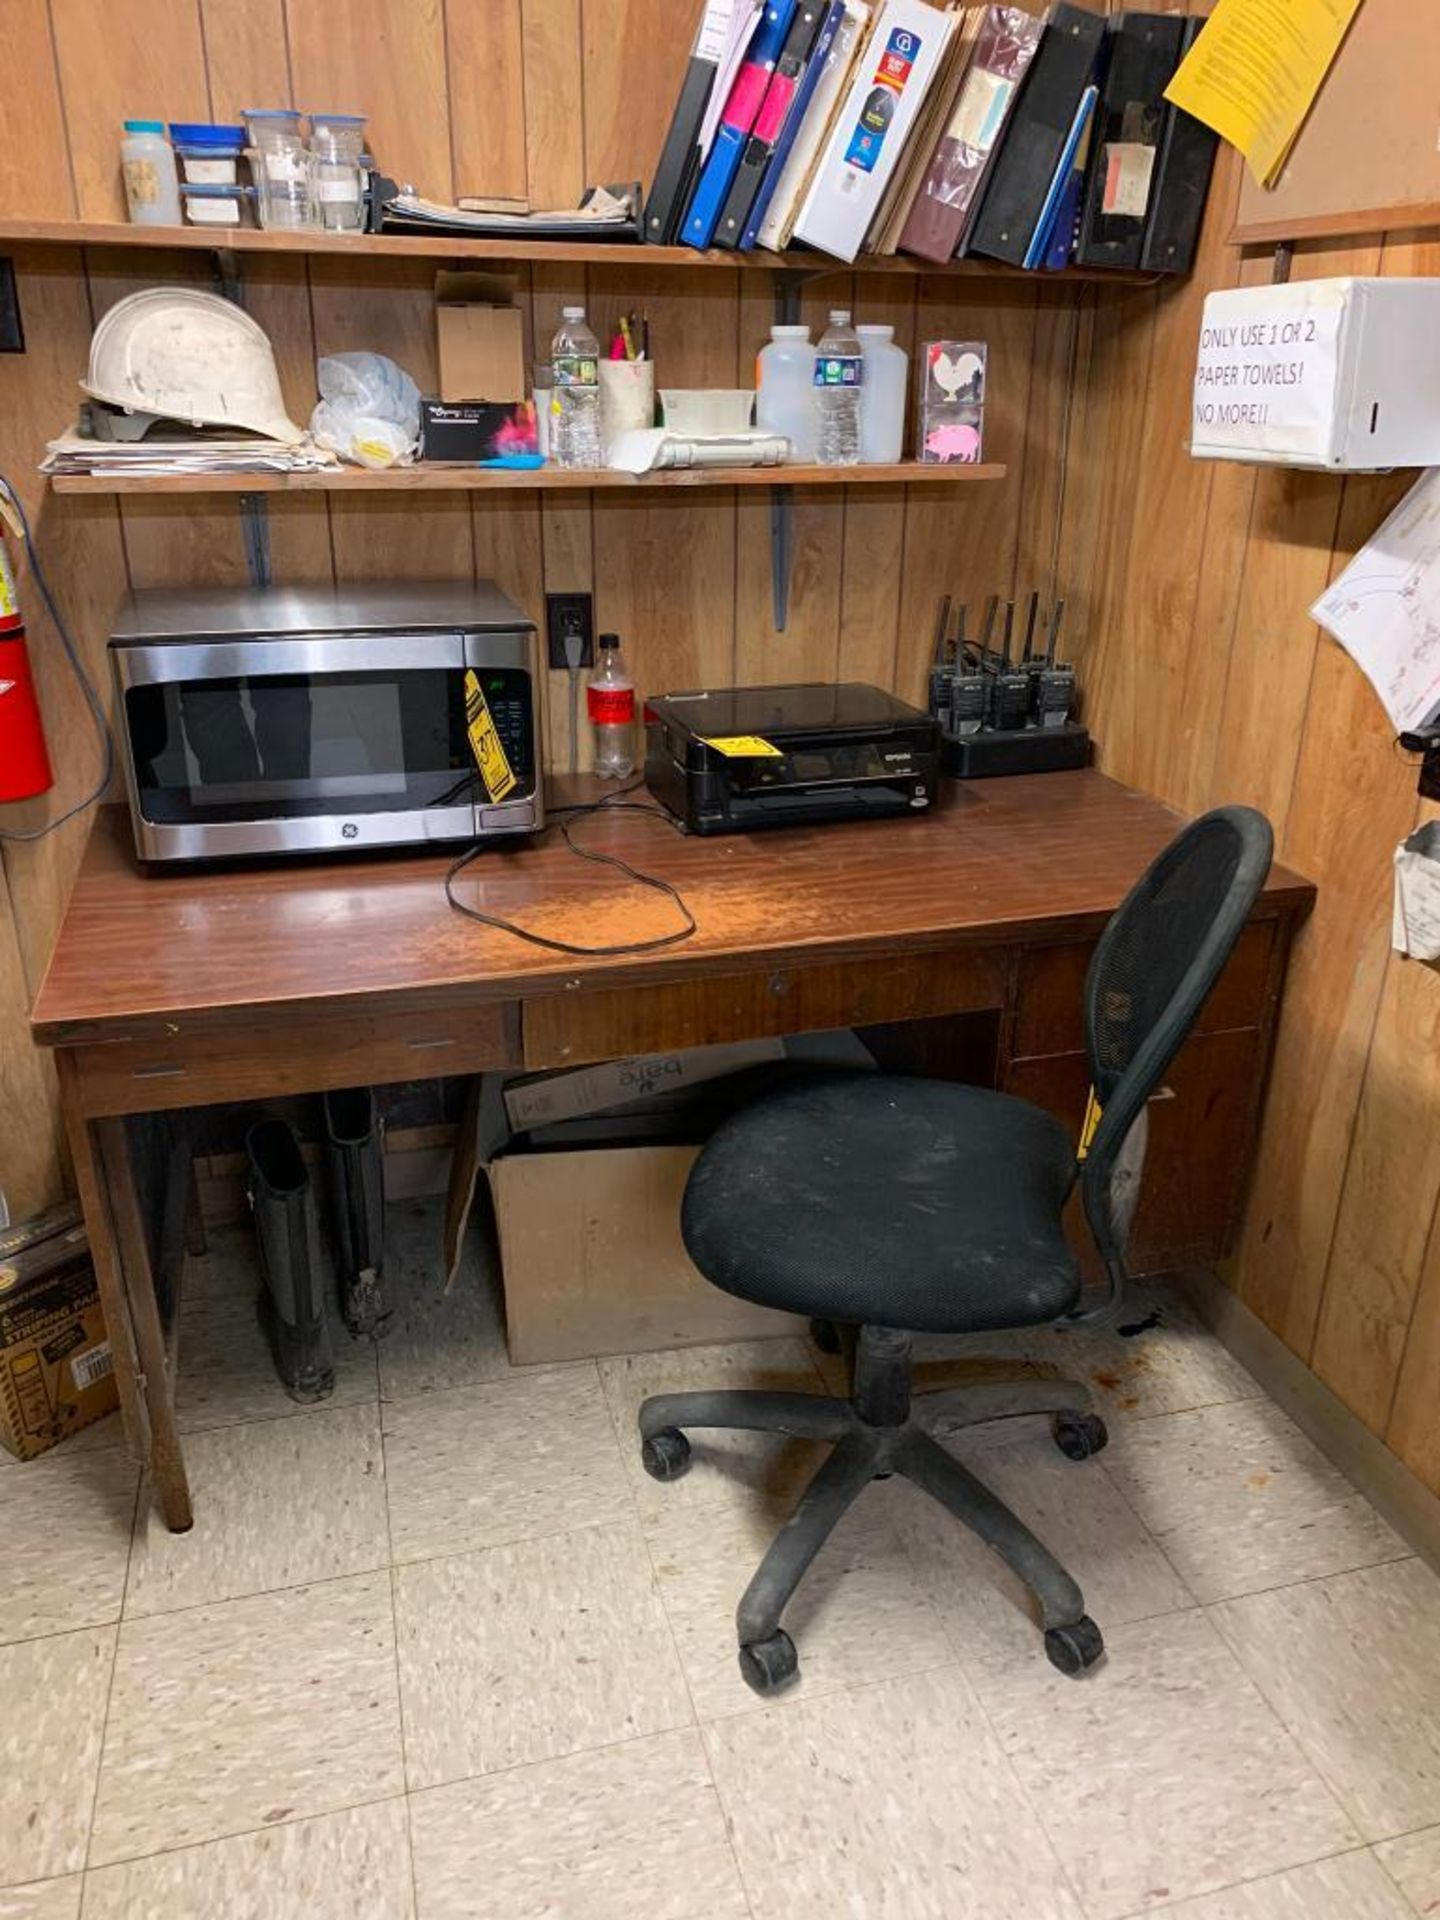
(56, 1372)
(480, 337)
(594, 1262)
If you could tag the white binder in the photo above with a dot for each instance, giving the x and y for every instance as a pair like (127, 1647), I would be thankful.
(895, 73)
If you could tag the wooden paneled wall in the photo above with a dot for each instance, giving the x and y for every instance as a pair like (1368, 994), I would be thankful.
(1207, 683)
(490, 95)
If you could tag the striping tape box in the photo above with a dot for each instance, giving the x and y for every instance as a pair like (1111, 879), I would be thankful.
(56, 1370)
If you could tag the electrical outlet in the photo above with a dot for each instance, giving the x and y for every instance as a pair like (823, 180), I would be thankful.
(568, 614)
(12, 333)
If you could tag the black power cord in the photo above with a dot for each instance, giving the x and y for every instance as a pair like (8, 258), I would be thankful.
(72, 655)
(612, 803)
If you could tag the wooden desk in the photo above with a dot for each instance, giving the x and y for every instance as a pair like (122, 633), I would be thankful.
(198, 986)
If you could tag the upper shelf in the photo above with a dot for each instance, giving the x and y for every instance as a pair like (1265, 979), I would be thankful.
(406, 246)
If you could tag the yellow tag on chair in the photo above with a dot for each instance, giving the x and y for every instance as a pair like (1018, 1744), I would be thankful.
(1089, 1125)
(485, 742)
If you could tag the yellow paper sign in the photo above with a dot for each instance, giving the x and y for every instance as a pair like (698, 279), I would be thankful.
(485, 743)
(1089, 1126)
(1255, 69)
(745, 746)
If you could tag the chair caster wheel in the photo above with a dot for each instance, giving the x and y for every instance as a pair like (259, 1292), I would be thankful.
(1073, 1649)
(769, 1665)
(666, 1455)
(826, 1335)
(1079, 1435)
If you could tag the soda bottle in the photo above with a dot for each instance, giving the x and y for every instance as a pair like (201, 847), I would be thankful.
(610, 701)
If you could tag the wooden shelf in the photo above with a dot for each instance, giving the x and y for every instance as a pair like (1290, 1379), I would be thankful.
(436, 476)
(404, 246)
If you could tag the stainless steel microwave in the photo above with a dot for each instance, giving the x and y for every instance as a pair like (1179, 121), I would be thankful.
(291, 720)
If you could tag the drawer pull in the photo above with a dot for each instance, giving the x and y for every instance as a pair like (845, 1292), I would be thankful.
(159, 1073)
(424, 1046)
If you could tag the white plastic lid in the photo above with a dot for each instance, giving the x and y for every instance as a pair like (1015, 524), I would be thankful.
(874, 332)
(839, 316)
(790, 333)
(572, 313)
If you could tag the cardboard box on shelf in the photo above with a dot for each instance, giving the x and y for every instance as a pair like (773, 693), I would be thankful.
(56, 1371)
(480, 337)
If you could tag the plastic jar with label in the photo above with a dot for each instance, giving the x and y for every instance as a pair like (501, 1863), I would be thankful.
(281, 168)
(152, 186)
(337, 142)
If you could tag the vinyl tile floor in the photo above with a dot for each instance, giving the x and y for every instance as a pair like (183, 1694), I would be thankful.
(439, 1650)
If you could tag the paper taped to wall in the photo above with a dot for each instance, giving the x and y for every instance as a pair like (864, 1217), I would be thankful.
(1255, 70)
(1385, 608)
(1416, 928)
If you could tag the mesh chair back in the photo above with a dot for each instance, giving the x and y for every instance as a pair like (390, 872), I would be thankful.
(1158, 958)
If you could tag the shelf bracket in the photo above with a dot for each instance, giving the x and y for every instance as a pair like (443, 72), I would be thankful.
(790, 284)
(255, 530)
(225, 272)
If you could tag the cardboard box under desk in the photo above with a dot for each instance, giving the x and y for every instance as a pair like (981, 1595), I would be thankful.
(56, 1370)
(594, 1263)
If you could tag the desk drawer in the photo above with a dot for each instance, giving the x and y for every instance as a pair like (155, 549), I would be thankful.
(1049, 1007)
(563, 1030)
(152, 1073)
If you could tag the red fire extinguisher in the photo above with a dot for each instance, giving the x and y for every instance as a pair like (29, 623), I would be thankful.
(24, 761)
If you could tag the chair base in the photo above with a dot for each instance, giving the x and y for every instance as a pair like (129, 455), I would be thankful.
(877, 1432)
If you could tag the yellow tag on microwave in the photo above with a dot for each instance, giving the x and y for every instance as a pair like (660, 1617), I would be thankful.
(485, 742)
(1089, 1125)
(745, 746)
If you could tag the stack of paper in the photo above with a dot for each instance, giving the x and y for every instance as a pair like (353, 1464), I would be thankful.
(605, 213)
(75, 452)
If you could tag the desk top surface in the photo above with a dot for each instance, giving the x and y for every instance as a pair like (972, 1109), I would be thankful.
(1045, 857)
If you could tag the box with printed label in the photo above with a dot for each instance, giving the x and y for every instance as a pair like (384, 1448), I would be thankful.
(56, 1370)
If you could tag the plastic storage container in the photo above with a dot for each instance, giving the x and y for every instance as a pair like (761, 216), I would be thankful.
(785, 403)
(882, 396)
(337, 143)
(704, 410)
(281, 168)
(152, 186)
(214, 206)
(209, 156)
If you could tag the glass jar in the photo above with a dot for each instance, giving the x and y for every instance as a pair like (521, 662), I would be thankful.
(337, 147)
(281, 168)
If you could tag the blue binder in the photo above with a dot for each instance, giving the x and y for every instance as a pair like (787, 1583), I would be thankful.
(748, 89)
(798, 107)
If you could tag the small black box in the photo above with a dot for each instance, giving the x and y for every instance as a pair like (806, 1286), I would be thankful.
(475, 430)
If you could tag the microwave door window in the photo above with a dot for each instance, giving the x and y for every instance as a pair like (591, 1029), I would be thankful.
(287, 747)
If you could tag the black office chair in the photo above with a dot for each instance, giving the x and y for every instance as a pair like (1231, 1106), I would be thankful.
(900, 1206)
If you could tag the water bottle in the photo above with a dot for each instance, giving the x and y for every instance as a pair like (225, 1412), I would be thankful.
(838, 372)
(575, 402)
(610, 702)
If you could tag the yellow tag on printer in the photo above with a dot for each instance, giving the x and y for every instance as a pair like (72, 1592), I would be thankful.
(485, 742)
(745, 746)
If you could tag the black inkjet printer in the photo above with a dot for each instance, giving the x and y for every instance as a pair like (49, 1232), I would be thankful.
(737, 758)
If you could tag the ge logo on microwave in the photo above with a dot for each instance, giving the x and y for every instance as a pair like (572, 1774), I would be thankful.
(349, 831)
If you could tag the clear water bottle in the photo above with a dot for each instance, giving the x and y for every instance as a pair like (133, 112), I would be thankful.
(610, 702)
(575, 403)
(839, 369)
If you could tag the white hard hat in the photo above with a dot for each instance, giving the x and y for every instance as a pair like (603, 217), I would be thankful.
(191, 356)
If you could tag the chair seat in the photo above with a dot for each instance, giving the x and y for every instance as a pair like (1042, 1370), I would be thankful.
(881, 1201)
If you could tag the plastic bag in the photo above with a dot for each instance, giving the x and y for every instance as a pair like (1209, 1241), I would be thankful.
(369, 411)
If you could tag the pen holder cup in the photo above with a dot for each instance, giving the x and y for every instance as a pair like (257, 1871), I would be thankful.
(627, 397)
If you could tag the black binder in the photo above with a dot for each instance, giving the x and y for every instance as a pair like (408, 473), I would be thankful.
(1035, 138)
(679, 165)
(1143, 54)
(1182, 180)
(760, 147)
